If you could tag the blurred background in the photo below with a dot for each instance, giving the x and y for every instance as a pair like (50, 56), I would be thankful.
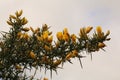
(74, 14)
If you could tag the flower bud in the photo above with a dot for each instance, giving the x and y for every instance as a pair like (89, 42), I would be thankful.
(99, 29)
(88, 29)
(101, 45)
(12, 16)
(9, 23)
(20, 13)
(25, 29)
(108, 32)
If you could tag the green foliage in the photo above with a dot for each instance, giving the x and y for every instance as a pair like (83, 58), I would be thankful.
(20, 51)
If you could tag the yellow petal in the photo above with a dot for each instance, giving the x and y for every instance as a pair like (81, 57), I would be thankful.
(50, 39)
(59, 35)
(99, 29)
(16, 13)
(12, 16)
(73, 37)
(65, 37)
(65, 31)
(20, 13)
(24, 21)
(45, 35)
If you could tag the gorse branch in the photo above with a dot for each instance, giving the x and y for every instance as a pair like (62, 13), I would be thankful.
(20, 51)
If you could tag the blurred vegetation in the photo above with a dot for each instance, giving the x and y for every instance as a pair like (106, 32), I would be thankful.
(20, 50)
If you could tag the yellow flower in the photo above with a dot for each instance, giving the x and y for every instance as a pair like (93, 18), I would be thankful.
(101, 45)
(88, 29)
(73, 37)
(32, 55)
(45, 78)
(99, 29)
(65, 37)
(59, 35)
(45, 35)
(50, 38)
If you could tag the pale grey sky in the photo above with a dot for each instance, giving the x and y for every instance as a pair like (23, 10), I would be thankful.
(74, 14)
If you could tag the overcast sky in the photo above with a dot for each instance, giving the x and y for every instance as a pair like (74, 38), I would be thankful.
(74, 14)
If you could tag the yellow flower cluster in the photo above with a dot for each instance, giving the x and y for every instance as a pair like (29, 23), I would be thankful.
(15, 19)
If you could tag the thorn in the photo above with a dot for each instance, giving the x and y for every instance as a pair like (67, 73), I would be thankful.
(80, 63)
(91, 56)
